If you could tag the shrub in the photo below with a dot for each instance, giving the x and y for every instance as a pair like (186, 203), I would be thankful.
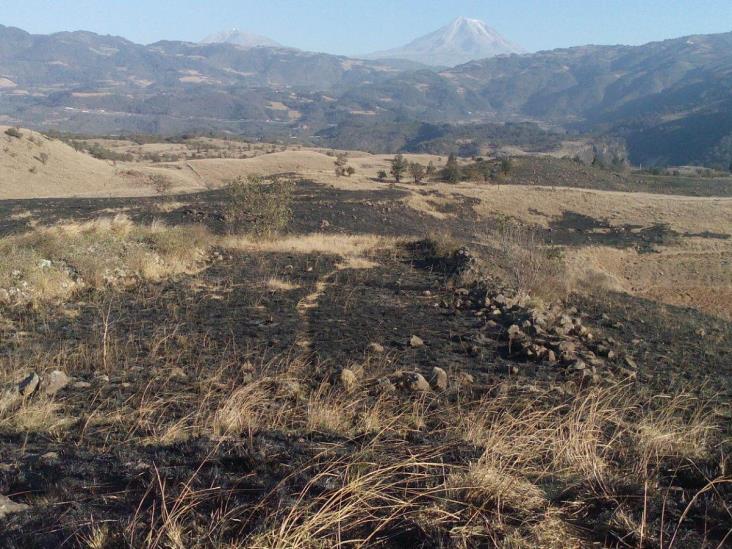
(161, 183)
(399, 165)
(530, 265)
(451, 172)
(417, 171)
(382, 175)
(14, 132)
(263, 206)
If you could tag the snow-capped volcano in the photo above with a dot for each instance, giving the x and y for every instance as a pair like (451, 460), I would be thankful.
(240, 38)
(461, 41)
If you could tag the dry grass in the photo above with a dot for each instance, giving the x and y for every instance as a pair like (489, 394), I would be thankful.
(53, 262)
(313, 243)
(519, 254)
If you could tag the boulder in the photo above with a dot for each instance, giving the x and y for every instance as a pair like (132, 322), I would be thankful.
(439, 378)
(54, 382)
(415, 342)
(416, 383)
(7, 506)
(29, 385)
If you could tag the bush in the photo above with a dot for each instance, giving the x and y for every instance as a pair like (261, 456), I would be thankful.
(161, 183)
(451, 172)
(530, 266)
(14, 132)
(263, 206)
(382, 175)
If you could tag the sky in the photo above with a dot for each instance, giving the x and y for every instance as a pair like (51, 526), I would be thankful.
(349, 27)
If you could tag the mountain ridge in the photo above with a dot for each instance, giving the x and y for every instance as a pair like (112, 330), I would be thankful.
(669, 99)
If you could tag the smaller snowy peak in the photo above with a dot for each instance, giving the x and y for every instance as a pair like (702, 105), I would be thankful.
(240, 38)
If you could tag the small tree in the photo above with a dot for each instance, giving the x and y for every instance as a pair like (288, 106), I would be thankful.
(417, 171)
(341, 164)
(399, 165)
(484, 170)
(381, 175)
(430, 171)
(451, 171)
(350, 170)
(506, 165)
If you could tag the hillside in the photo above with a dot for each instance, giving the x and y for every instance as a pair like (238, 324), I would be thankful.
(34, 166)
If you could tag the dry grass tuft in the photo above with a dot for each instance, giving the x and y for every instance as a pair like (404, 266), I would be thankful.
(53, 262)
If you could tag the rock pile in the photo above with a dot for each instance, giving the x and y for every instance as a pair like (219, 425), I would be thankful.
(548, 334)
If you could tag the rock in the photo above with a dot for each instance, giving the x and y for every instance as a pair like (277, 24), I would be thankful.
(385, 386)
(578, 365)
(55, 381)
(465, 379)
(416, 383)
(551, 356)
(102, 378)
(4, 296)
(630, 362)
(81, 385)
(376, 348)
(178, 372)
(348, 379)
(567, 347)
(29, 385)
(324, 224)
(514, 332)
(415, 342)
(7, 506)
(439, 378)
(50, 456)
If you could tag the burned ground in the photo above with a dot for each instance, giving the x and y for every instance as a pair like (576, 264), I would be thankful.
(139, 449)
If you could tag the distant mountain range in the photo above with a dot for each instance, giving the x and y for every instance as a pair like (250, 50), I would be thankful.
(241, 38)
(461, 41)
(671, 101)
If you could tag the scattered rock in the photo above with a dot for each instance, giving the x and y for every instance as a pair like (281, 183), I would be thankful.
(7, 506)
(55, 381)
(29, 385)
(385, 386)
(81, 385)
(324, 224)
(416, 383)
(376, 348)
(348, 379)
(415, 342)
(439, 378)
(50, 456)
(465, 379)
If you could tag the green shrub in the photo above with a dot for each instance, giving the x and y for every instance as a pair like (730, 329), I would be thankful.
(259, 205)
(14, 132)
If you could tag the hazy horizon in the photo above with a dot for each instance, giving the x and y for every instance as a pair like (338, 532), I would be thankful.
(362, 27)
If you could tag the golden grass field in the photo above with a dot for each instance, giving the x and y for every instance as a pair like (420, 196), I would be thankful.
(694, 271)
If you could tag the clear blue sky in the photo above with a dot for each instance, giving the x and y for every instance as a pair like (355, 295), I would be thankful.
(360, 26)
